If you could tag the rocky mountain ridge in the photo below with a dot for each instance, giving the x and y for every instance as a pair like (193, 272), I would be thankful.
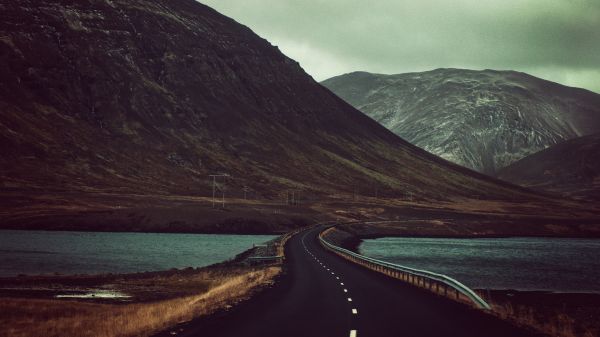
(483, 120)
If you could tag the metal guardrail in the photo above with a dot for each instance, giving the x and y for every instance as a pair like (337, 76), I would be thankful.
(437, 283)
(266, 258)
(272, 251)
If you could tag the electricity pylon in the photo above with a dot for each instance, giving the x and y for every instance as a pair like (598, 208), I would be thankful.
(216, 186)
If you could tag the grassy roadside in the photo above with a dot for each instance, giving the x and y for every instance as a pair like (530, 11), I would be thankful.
(39, 317)
(158, 299)
(555, 314)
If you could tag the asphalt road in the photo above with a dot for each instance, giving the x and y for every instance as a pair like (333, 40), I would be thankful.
(322, 294)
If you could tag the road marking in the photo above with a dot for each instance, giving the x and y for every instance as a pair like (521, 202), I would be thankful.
(355, 312)
(352, 333)
(332, 273)
(341, 283)
(345, 290)
(349, 299)
(337, 277)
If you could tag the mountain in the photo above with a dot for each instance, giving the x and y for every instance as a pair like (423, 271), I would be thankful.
(483, 120)
(111, 106)
(571, 167)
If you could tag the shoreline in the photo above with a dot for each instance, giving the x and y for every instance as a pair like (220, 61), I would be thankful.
(158, 300)
(54, 284)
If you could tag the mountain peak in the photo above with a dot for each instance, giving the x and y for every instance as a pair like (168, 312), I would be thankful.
(481, 119)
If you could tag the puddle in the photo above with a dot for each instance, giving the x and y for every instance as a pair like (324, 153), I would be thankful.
(95, 294)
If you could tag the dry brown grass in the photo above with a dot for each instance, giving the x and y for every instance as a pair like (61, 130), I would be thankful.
(555, 324)
(34, 317)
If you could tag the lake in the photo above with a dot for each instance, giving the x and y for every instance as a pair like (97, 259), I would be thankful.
(44, 252)
(550, 264)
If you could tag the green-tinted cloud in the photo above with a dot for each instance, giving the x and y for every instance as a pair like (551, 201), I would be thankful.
(554, 39)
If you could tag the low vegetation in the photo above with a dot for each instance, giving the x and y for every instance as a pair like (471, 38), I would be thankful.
(554, 314)
(23, 317)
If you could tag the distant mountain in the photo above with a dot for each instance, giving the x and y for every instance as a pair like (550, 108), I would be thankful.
(484, 120)
(149, 97)
(571, 167)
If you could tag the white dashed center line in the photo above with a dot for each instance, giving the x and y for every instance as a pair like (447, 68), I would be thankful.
(353, 333)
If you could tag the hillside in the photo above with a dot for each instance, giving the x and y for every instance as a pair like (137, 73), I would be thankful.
(571, 167)
(109, 107)
(483, 120)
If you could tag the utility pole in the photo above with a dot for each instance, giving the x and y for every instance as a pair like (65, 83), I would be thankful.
(215, 186)
(214, 189)
(246, 189)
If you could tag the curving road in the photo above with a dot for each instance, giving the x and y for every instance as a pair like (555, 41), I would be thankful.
(322, 294)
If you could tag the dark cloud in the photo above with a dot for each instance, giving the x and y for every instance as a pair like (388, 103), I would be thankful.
(554, 39)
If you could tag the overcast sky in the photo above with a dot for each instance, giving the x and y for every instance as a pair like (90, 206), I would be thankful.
(557, 40)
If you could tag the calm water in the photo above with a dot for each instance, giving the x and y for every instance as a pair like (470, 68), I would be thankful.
(38, 252)
(508, 263)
